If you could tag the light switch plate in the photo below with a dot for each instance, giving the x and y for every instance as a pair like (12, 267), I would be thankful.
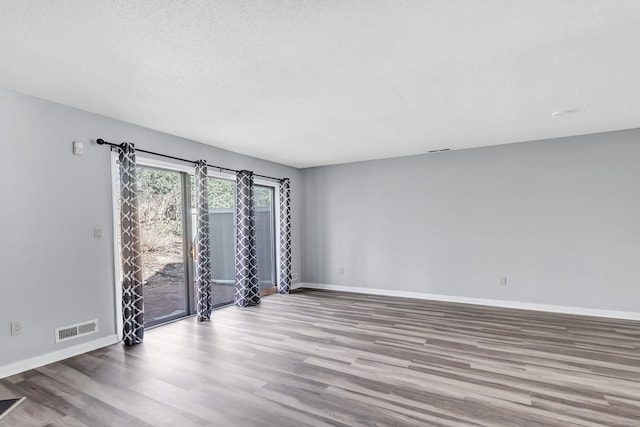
(16, 327)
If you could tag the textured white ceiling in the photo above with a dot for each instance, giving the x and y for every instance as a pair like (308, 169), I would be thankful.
(309, 83)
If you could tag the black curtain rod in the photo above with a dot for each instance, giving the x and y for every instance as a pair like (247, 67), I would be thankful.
(101, 141)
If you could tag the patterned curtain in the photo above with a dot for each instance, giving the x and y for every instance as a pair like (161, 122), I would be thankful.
(132, 296)
(203, 254)
(247, 288)
(284, 282)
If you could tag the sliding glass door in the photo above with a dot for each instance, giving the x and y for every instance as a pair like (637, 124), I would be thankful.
(167, 240)
(164, 237)
(221, 193)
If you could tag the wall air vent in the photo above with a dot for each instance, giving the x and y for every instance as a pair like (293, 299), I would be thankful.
(74, 331)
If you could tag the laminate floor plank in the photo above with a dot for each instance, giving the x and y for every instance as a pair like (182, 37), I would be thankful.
(321, 358)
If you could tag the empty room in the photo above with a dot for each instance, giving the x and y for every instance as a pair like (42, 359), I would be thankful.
(319, 213)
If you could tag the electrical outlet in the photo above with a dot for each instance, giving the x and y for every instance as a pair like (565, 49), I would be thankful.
(294, 277)
(16, 327)
(341, 270)
(503, 281)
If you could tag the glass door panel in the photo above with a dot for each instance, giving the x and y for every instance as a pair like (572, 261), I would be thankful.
(221, 194)
(160, 208)
(265, 231)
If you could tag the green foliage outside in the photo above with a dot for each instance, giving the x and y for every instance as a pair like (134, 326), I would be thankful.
(221, 194)
(159, 207)
(262, 196)
(160, 203)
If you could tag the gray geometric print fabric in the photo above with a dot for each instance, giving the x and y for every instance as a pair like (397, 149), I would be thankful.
(247, 288)
(132, 295)
(284, 284)
(203, 260)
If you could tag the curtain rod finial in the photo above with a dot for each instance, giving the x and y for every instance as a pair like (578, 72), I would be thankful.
(100, 141)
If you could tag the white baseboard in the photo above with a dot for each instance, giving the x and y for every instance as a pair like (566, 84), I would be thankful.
(55, 356)
(627, 315)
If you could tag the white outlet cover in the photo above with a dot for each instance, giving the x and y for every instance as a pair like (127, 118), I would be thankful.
(16, 327)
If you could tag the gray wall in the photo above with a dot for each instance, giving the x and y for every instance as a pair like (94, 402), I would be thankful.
(559, 218)
(53, 272)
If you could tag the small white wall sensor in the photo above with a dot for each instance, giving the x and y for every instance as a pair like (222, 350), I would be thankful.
(78, 148)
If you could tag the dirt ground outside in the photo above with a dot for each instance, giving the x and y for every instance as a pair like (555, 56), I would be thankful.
(164, 289)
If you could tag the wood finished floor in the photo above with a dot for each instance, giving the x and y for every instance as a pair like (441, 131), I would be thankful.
(327, 358)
